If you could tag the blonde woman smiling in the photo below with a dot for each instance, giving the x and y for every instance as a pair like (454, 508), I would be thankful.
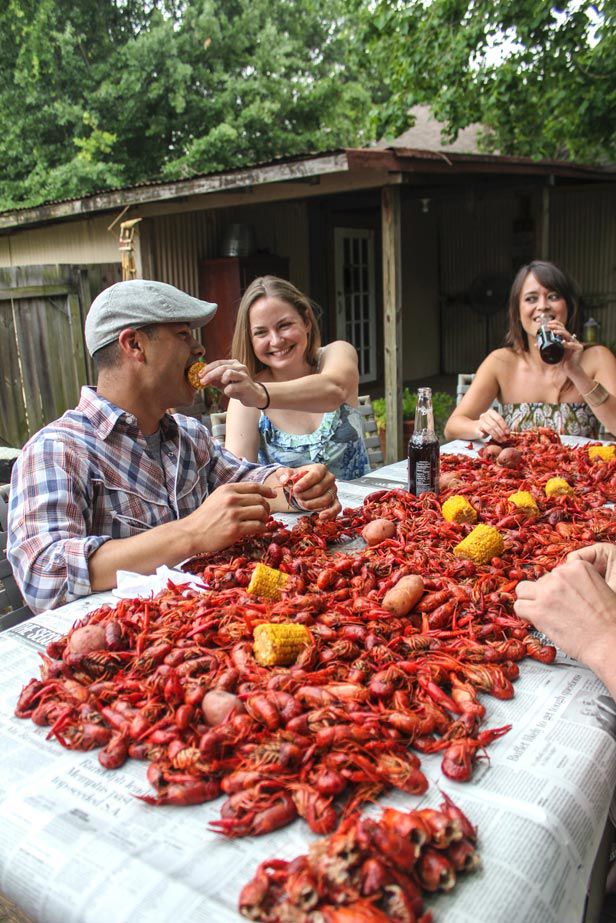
(291, 400)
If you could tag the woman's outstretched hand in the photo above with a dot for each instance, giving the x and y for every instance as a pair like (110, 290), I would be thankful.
(233, 379)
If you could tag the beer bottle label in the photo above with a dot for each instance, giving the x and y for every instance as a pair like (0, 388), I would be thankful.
(423, 477)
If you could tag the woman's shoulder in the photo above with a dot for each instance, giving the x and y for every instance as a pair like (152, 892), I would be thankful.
(505, 354)
(598, 357)
(503, 358)
(338, 349)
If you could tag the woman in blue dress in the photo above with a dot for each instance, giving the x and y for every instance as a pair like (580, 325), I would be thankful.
(573, 396)
(292, 401)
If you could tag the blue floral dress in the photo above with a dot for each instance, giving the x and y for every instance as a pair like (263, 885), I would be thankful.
(338, 443)
(567, 419)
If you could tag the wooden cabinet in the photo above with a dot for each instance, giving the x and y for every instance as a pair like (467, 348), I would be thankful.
(224, 281)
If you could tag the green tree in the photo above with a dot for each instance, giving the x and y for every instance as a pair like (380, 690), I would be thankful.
(96, 94)
(540, 77)
(270, 78)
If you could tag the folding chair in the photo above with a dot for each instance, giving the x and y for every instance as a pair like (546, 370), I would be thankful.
(371, 432)
(13, 609)
(465, 380)
(219, 426)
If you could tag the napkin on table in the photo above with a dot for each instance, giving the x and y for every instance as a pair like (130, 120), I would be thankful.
(130, 584)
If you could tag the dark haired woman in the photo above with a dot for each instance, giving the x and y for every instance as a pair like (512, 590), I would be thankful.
(292, 401)
(572, 396)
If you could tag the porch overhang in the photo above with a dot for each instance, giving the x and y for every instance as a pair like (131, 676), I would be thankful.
(299, 170)
(411, 160)
(298, 177)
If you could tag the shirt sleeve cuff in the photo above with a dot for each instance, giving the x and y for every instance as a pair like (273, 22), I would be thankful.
(73, 559)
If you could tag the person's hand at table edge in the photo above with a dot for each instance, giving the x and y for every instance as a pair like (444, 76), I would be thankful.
(602, 556)
(574, 606)
(314, 492)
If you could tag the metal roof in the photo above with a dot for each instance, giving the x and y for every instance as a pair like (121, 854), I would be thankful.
(396, 157)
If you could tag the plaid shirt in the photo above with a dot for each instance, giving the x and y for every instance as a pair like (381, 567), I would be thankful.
(89, 477)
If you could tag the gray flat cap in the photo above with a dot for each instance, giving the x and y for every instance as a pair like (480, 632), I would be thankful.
(137, 303)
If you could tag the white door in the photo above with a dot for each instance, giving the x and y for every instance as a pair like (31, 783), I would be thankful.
(356, 296)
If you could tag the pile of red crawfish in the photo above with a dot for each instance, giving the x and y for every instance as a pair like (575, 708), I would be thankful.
(372, 690)
(368, 871)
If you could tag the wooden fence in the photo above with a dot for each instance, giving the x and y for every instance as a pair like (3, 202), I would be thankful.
(43, 359)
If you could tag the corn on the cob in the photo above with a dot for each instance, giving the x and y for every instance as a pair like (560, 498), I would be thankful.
(524, 500)
(278, 644)
(193, 374)
(605, 452)
(266, 581)
(557, 486)
(480, 545)
(458, 509)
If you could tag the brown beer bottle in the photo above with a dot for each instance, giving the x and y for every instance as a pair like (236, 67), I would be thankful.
(423, 449)
(550, 345)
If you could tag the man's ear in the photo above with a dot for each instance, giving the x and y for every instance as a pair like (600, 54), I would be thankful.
(131, 344)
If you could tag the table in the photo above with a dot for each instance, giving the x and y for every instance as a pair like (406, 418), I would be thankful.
(75, 845)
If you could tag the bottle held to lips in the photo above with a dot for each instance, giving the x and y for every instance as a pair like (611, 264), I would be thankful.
(549, 344)
(423, 448)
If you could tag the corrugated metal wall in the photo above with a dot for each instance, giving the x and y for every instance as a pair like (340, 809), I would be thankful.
(280, 228)
(179, 242)
(583, 241)
(485, 234)
(476, 238)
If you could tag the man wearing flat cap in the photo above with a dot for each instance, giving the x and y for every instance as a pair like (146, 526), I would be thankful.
(120, 483)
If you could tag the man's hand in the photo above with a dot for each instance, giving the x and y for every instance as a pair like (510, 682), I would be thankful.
(230, 513)
(576, 608)
(602, 556)
(315, 491)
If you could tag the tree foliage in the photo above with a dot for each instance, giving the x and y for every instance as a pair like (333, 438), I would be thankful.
(95, 94)
(540, 77)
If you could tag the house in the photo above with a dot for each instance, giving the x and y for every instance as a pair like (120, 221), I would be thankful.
(409, 247)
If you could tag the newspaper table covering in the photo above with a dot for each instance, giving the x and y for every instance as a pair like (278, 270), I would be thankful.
(76, 845)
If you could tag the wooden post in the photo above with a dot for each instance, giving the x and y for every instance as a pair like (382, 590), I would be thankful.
(544, 223)
(392, 319)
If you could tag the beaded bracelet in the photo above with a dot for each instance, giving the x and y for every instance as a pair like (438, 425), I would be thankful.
(267, 397)
(597, 395)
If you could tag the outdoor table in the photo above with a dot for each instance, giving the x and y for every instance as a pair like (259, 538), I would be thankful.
(76, 846)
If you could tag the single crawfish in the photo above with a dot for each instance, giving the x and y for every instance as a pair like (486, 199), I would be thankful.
(274, 754)
(262, 894)
(115, 752)
(193, 791)
(465, 695)
(316, 809)
(435, 870)
(489, 678)
(338, 858)
(255, 811)
(389, 842)
(402, 771)
(463, 856)
(544, 653)
(29, 698)
(361, 911)
(457, 763)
